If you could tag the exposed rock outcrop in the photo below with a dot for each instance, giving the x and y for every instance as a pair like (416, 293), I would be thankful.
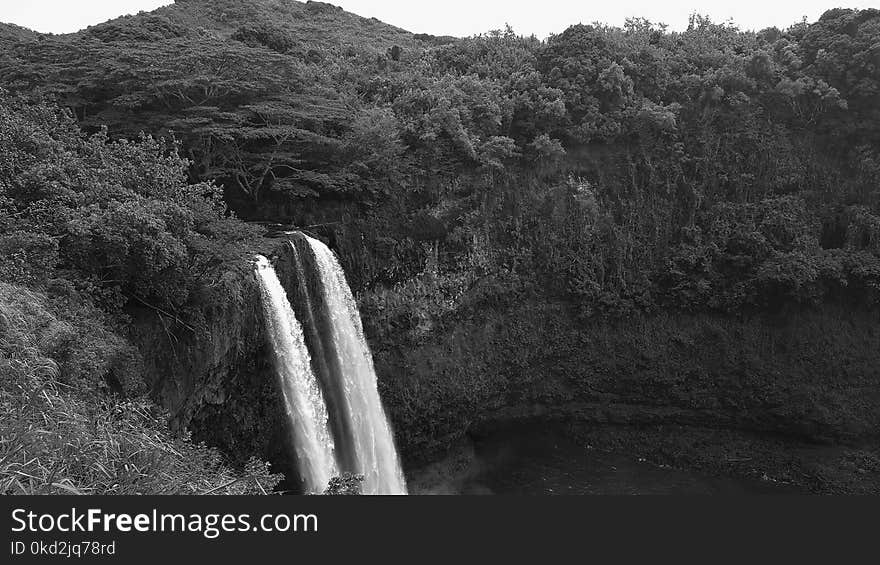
(216, 379)
(811, 376)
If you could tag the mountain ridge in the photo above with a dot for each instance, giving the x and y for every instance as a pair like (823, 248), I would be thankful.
(316, 24)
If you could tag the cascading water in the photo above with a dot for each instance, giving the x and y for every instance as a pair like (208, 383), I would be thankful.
(375, 455)
(303, 400)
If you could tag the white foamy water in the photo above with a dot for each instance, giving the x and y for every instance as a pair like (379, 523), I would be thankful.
(375, 452)
(303, 400)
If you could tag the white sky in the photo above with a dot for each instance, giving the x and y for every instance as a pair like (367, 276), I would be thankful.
(466, 17)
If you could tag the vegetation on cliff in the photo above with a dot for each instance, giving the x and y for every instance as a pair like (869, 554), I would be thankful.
(625, 169)
(88, 226)
(64, 432)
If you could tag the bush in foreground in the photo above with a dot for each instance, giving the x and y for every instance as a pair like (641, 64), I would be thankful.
(59, 436)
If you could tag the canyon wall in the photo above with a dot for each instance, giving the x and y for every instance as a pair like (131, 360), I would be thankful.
(810, 374)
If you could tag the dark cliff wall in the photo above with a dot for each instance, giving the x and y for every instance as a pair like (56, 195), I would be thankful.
(217, 379)
(812, 375)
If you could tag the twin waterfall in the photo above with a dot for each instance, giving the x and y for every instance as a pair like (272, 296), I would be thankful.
(336, 417)
(302, 394)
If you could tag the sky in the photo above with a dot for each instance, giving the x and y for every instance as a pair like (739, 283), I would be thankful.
(467, 17)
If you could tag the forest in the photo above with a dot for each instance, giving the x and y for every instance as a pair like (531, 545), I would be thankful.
(615, 173)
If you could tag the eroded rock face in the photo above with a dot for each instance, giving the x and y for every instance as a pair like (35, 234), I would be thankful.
(812, 376)
(217, 379)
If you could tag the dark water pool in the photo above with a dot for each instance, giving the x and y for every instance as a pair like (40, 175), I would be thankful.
(534, 462)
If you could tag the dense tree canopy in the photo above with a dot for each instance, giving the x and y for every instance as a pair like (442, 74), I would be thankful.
(622, 168)
(116, 218)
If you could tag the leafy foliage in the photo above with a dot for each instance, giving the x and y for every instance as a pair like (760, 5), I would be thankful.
(116, 218)
(622, 168)
(346, 484)
(89, 227)
(62, 435)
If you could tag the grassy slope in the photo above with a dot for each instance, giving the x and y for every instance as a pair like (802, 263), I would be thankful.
(59, 435)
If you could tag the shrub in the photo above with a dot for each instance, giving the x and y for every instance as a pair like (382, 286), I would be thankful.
(346, 484)
(57, 437)
(116, 217)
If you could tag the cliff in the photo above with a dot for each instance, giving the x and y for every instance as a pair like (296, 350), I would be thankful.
(809, 377)
(216, 379)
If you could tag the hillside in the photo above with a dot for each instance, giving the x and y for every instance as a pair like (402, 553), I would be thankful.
(304, 26)
(11, 33)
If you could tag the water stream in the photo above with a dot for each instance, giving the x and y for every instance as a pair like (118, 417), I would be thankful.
(303, 400)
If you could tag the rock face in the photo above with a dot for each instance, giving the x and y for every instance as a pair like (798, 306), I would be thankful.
(811, 376)
(217, 380)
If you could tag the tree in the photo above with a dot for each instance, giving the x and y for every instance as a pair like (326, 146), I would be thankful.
(119, 216)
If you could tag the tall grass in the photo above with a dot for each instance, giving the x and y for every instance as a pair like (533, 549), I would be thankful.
(63, 436)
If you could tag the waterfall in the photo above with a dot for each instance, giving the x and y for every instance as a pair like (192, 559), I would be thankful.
(304, 403)
(350, 432)
(371, 441)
